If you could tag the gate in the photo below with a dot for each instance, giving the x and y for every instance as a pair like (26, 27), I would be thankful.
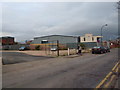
(51, 47)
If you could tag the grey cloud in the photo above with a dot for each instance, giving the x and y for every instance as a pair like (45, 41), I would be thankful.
(27, 20)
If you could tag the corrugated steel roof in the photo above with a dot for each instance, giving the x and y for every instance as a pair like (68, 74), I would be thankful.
(55, 35)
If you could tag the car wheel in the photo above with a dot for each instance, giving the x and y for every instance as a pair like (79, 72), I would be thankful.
(3, 62)
(101, 52)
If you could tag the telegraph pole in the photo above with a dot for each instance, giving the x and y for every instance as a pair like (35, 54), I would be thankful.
(101, 33)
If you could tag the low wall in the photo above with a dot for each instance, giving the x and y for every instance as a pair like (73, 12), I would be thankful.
(47, 53)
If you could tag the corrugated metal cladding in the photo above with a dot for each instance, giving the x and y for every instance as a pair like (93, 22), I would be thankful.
(61, 38)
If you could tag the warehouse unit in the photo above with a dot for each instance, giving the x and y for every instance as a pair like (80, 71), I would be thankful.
(68, 41)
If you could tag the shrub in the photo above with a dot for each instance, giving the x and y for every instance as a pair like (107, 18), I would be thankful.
(62, 47)
(83, 46)
(37, 47)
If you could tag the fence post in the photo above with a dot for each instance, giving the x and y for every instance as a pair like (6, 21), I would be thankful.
(68, 51)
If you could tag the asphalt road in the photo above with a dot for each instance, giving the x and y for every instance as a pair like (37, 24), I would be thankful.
(18, 57)
(80, 72)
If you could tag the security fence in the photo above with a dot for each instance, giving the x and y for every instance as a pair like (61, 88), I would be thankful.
(12, 47)
(53, 47)
(50, 47)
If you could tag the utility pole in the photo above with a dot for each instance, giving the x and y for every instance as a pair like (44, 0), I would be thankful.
(57, 48)
(118, 7)
(101, 33)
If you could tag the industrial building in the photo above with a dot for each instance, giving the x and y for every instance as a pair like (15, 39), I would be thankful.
(68, 41)
(7, 40)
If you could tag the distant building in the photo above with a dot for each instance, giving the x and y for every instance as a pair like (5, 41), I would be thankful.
(28, 42)
(89, 40)
(115, 43)
(7, 40)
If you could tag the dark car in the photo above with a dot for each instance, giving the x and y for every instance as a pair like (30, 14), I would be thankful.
(98, 49)
(23, 48)
(107, 49)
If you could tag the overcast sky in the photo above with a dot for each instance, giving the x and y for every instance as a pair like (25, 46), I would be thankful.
(27, 20)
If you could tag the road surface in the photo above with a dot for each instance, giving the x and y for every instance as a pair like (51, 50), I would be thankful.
(80, 72)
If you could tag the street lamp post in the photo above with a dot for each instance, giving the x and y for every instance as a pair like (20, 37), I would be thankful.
(101, 33)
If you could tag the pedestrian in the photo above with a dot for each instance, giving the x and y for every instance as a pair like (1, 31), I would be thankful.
(79, 50)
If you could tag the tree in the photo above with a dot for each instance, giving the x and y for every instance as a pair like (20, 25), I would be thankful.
(83, 46)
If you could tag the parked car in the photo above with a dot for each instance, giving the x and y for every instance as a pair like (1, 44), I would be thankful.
(107, 49)
(23, 48)
(53, 49)
(98, 49)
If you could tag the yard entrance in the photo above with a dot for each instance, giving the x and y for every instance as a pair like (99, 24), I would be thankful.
(51, 47)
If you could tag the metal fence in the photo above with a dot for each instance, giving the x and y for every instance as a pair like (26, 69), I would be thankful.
(12, 47)
(50, 47)
(53, 47)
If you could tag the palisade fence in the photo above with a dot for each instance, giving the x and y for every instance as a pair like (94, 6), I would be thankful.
(55, 48)
(51, 47)
(12, 47)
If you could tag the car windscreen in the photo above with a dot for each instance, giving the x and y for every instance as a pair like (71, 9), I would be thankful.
(22, 47)
(96, 47)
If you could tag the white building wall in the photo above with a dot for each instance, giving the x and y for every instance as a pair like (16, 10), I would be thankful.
(89, 38)
(95, 38)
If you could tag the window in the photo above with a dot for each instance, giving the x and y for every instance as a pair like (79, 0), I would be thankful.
(44, 41)
(84, 38)
(92, 38)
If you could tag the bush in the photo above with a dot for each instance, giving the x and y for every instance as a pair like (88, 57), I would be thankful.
(83, 46)
(37, 47)
(62, 47)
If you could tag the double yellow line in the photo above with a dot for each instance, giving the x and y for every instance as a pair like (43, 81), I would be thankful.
(110, 80)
